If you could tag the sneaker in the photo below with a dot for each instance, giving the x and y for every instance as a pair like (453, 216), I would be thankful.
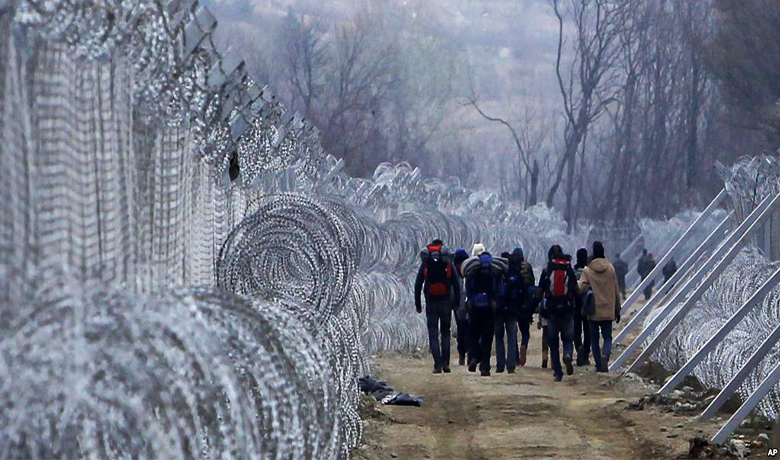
(446, 369)
(499, 370)
(473, 365)
(510, 371)
(484, 373)
(523, 356)
(569, 367)
(558, 377)
(604, 363)
(437, 370)
(462, 360)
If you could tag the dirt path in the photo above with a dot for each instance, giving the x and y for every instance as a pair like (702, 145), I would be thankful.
(525, 415)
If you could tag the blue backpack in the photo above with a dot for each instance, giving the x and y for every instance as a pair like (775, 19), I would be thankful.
(483, 283)
(514, 285)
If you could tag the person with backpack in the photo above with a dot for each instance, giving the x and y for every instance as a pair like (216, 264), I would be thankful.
(621, 270)
(483, 290)
(599, 283)
(514, 290)
(519, 288)
(581, 329)
(558, 286)
(461, 317)
(437, 276)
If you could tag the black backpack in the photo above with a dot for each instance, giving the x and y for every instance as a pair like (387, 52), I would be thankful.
(560, 275)
(588, 304)
(437, 273)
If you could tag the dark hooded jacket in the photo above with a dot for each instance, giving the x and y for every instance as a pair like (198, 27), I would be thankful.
(460, 256)
(621, 269)
(544, 279)
(517, 263)
(669, 269)
(582, 262)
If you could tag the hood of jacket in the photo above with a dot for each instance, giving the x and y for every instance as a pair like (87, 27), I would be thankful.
(600, 265)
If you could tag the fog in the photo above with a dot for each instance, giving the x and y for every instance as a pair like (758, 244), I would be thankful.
(470, 89)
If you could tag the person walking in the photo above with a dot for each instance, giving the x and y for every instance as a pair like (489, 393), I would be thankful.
(599, 281)
(526, 314)
(461, 317)
(437, 276)
(558, 286)
(669, 270)
(644, 267)
(510, 307)
(483, 290)
(649, 267)
(581, 329)
(621, 270)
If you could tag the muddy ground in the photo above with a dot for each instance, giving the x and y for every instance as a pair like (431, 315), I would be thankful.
(525, 415)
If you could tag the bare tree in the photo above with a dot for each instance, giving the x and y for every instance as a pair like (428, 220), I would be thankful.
(587, 86)
(528, 140)
(305, 60)
(695, 23)
(744, 56)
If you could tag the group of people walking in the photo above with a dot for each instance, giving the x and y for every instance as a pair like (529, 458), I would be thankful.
(494, 297)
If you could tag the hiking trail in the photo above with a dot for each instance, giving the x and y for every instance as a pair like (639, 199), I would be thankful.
(521, 415)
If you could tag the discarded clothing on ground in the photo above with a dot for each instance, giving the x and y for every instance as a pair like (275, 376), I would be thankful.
(403, 399)
(379, 389)
(383, 393)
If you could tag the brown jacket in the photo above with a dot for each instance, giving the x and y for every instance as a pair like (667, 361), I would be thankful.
(600, 275)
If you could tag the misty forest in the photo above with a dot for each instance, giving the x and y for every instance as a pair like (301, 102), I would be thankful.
(379, 229)
(585, 105)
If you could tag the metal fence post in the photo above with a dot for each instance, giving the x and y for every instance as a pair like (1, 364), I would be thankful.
(680, 275)
(731, 246)
(659, 266)
(763, 389)
(742, 374)
(738, 315)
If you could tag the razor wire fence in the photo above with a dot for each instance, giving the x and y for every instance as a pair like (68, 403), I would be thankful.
(184, 271)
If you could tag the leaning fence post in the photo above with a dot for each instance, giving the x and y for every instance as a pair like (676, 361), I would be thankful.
(738, 315)
(730, 247)
(679, 275)
(659, 267)
(752, 401)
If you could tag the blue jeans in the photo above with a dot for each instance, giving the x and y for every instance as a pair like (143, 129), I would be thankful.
(525, 330)
(439, 311)
(560, 325)
(606, 333)
(506, 356)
